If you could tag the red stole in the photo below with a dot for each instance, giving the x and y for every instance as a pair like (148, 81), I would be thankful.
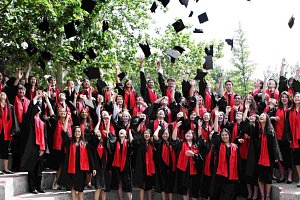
(81, 106)
(39, 133)
(152, 95)
(205, 132)
(274, 95)
(84, 159)
(167, 152)
(264, 152)
(169, 95)
(101, 150)
(129, 99)
(290, 90)
(138, 110)
(21, 108)
(106, 95)
(235, 131)
(202, 110)
(244, 148)
(82, 128)
(230, 101)
(180, 132)
(1, 87)
(156, 124)
(294, 119)
(31, 94)
(208, 101)
(120, 157)
(279, 125)
(233, 162)
(207, 170)
(255, 92)
(183, 159)
(57, 135)
(102, 128)
(150, 167)
(6, 124)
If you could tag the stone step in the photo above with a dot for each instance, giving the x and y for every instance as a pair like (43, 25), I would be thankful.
(283, 191)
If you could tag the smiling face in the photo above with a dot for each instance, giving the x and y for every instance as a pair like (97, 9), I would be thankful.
(84, 114)
(165, 136)
(228, 86)
(206, 117)
(297, 98)
(3, 96)
(62, 113)
(147, 134)
(151, 84)
(189, 135)
(263, 118)
(225, 136)
(32, 80)
(77, 132)
(160, 114)
(122, 133)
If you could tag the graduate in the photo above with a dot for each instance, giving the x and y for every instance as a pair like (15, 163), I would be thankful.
(78, 162)
(165, 163)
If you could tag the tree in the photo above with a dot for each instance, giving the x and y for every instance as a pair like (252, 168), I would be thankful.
(244, 67)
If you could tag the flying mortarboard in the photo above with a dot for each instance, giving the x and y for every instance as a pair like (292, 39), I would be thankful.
(89, 103)
(179, 48)
(200, 74)
(173, 54)
(46, 55)
(70, 30)
(105, 25)
(229, 42)
(78, 56)
(31, 49)
(92, 72)
(122, 75)
(164, 2)
(146, 49)
(208, 64)
(197, 30)
(184, 2)
(44, 26)
(203, 18)
(291, 21)
(88, 5)
(178, 25)
(153, 7)
(209, 51)
(41, 63)
(191, 13)
(91, 53)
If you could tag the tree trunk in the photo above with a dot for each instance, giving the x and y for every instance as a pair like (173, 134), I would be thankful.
(59, 67)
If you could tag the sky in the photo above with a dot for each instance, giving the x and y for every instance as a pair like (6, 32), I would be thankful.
(265, 23)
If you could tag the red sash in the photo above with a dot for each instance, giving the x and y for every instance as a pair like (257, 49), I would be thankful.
(57, 135)
(102, 128)
(150, 167)
(235, 131)
(275, 94)
(290, 90)
(156, 124)
(208, 101)
(244, 148)
(84, 159)
(206, 132)
(129, 98)
(21, 108)
(183, 159)
(294, 119)
(279, 125)
(138, 110)
(39, 133)
(169, 95)
(82, 128)
(120, 157)
(264, 152)
(100, 150)
(152, 95)
(230, 101)
(167, 152)
(5, 123)
(180, 131)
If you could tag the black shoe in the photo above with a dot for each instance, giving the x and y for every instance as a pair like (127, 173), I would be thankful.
(289, 182)
(280, 180)
(1, 173)
(7, 172)
(40, 190)
(33, 191)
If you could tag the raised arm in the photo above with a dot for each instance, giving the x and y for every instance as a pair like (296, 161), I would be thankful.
(155, 134)
(161, 80)
(51, 112)
(174, 133)
(28, 71)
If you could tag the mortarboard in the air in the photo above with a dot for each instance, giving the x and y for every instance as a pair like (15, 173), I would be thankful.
(78, 56)
(173, 54)
(146, 49)
(200, 74)
(122, 75)
(197, 30)
(44, 26)
(291, 21)
(208, 64)
(178, 25)
(89, 103)
(91, 53)
(31, 49)
(184, 2)
(88, 5)
(179, 48)
(164, 2)
(191, 13)
(203, 18)
(70, 30)
(153, 7)
(92, 72)
(41, 63)
(105, 25)
(209, 51)
(46, 55)
(229, 42)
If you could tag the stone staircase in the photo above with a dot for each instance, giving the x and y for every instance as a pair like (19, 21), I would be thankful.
(15, 187)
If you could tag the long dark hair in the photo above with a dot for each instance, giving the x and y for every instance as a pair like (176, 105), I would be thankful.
(73, 139)
(294, 105)
(268, 126)
(290, 99)
(227, 131)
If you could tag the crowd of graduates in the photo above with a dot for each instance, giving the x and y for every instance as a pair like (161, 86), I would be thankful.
(196, 142)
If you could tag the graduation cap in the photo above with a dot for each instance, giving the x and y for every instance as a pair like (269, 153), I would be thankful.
(31, 49)
(164, 2)
(88, 5)
(146, 49)
(91, 53)
(229, 42)
(46, 55)
(200, 74)
(105, 25)
(203, 18)
(44, 26)
(122, 75)
(208, 64)
(41, 63)
(78, 56)
(209, 51)
(70, 30)
(89, 103)
(173, 54)
(153, 7)
(291, 21)
(197, 30)
(92, 72)
(179, 48)
(184, 2)
(178, 25)
(191, 13)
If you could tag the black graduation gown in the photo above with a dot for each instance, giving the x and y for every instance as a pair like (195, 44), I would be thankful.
(163, 88)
